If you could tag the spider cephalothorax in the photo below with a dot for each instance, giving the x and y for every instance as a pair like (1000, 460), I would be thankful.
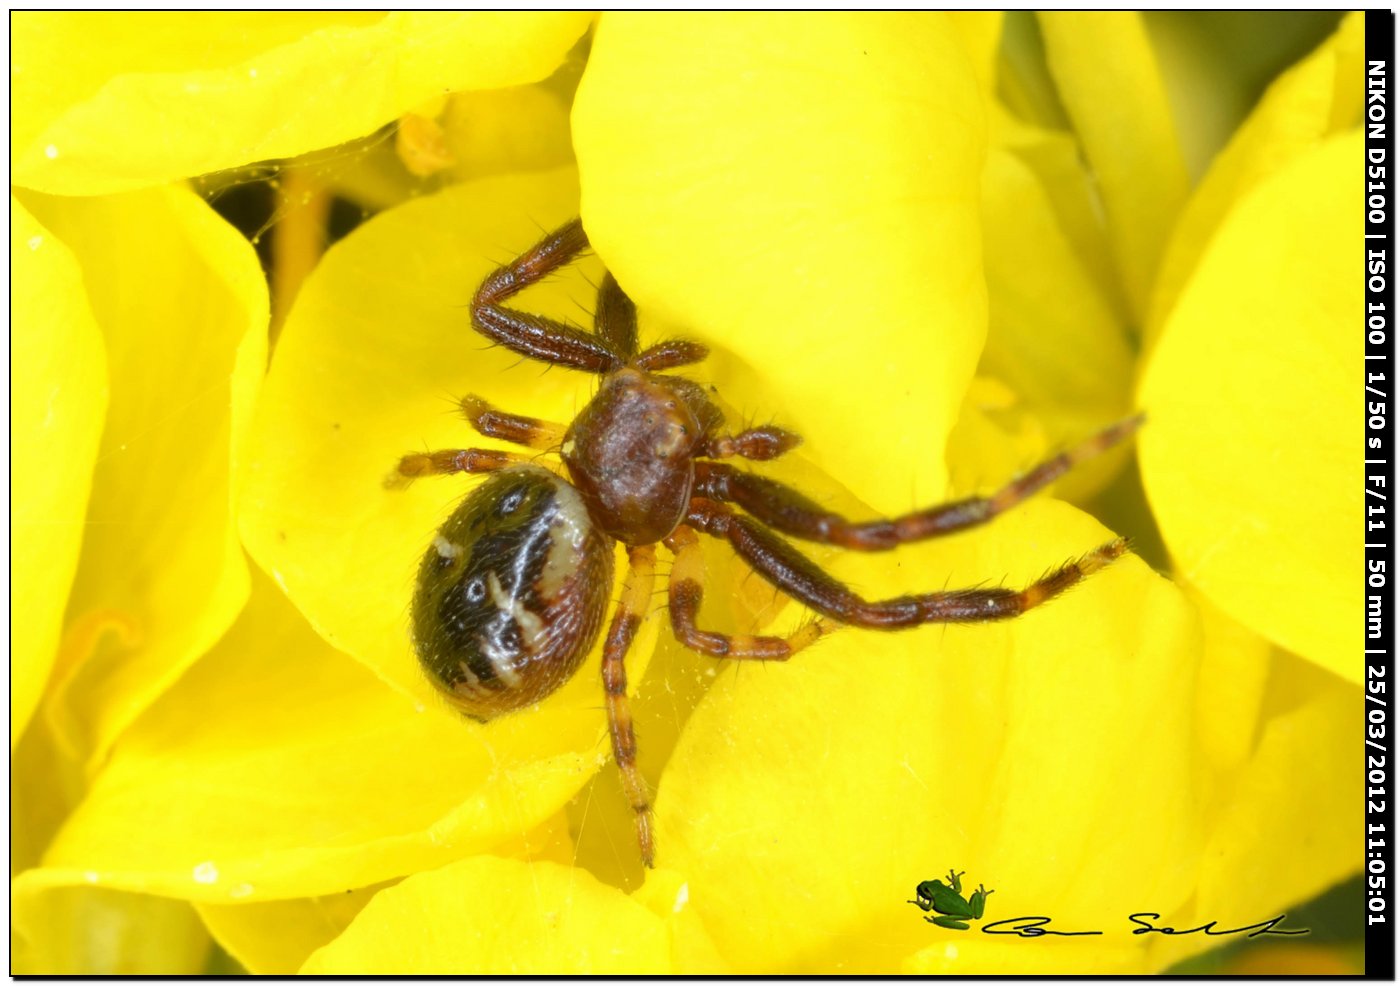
(514, 589)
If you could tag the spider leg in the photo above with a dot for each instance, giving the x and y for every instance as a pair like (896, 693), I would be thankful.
(758, 444)
(450, 460)
(615, 319)
(789, 511)
(798, 576)
(535, 336)
(636, 594)
(669, 354)
(530, 432)
(686, 592)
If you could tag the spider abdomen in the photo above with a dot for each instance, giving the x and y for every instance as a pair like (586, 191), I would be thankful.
(512, 592)
(630, 452)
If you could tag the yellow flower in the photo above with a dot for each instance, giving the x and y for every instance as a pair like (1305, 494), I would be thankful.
(172, 297)
(819, 199)
(1261, 246)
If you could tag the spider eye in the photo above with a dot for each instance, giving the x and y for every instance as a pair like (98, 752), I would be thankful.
(476, 591)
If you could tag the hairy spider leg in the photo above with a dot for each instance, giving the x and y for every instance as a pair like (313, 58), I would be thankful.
(686, 592)
(787, 510)
(615, 319)
(636, 594)
(446, 461)
(493, 423)
(611, 347)
(795, 574)
(535, 336)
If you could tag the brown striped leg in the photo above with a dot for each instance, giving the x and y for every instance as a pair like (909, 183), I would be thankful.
(636, 594)
(759, 444)
(530, 432)
(797, 575)
(686, 592)
(450, 460)
(787, 510)
(534, 335)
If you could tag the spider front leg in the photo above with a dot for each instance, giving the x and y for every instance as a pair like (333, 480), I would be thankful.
(797, 575)
(636, 594)
(792, 513)
(686, 593)
(534, 335)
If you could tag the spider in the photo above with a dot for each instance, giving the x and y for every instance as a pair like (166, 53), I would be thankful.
(512, 593)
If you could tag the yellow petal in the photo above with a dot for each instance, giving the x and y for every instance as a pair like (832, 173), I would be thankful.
(1109, 83)
(1317, 97)
(1235, 668)
(278, 767)
(58, 405)
(499, 917)
(1297, 960)
(522, 128)
(1035, 957)
(1024, 85)
(693, 951)
(1052, 335)
(841, 273)
(276, 937)
(997, 437)
(209, 92)
(1254, 499)
(1291, 825)
(45, 785)
(1058, 165)
(182, 304)
(980, 31)
(805, 801)
(92, 931)
(466, 136)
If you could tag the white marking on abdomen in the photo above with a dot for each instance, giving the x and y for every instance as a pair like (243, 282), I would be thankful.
(567, 533)
(531, 630)
(446, 549)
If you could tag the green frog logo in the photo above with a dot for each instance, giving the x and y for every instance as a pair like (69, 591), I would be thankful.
(946, 899)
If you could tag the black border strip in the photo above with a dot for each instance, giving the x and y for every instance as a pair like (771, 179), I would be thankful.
(1378, 327)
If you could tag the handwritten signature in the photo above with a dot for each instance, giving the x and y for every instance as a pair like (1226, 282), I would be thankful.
(1036, 926)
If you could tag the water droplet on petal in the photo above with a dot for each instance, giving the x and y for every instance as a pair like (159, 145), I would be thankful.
(241, 890)
(206, 872)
